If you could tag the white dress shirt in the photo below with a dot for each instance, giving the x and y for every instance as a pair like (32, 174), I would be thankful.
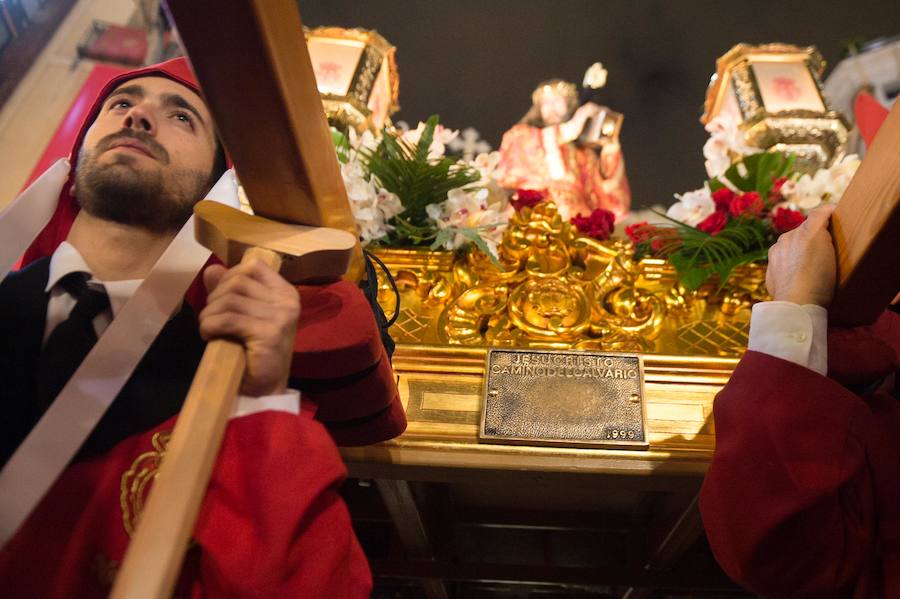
(795, 333)
(66, 259)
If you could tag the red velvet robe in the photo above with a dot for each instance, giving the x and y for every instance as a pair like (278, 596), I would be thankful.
(272, 523)
(803, 495)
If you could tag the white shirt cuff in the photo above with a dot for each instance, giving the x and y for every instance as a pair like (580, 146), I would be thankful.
(284, 402)
(795, 333)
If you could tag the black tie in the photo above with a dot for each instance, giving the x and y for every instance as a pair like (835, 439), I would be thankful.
(71, 340)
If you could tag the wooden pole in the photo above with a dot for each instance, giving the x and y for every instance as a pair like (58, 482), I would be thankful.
(251, 59)
(866, 231)
(153, 560)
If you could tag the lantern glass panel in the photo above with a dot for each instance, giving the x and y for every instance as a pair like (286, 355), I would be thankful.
(334, 63)
(787, 86)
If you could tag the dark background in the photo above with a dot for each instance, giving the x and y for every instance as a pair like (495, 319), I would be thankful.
(475, 62)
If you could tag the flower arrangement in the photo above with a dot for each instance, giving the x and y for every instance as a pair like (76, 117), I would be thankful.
(740, 211)
(404, 190)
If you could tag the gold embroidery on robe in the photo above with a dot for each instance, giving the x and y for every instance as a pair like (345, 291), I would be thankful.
(136, 481)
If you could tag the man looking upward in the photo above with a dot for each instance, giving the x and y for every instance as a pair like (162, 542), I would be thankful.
(146, 154)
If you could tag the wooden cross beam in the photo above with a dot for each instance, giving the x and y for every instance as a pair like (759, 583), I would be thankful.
(252, 62)
(253, 65)
(866, 231)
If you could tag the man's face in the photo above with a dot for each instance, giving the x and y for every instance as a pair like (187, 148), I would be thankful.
(554, 107)
(148, 157)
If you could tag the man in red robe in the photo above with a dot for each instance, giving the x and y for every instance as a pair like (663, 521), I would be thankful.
(271, 524)
(802, 498)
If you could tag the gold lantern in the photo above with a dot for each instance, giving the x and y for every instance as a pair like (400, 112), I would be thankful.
(356, 73)
(774, 92)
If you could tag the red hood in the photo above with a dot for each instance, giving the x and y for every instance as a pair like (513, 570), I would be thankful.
(56, 231)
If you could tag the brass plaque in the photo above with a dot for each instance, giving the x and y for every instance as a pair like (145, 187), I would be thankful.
(571, 398)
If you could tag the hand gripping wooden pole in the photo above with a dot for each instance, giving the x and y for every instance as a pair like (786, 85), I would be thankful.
(251, 59)
(866, 231)
(153, 559)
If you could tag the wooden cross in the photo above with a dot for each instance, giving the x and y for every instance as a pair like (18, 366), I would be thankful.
(866, 232)
(251, 59)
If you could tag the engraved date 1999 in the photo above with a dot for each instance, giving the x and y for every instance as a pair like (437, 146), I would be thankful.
(620, 434)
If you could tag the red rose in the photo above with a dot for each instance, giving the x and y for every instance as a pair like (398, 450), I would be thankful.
(785, 219)
(713, 223)
(526, 198)
(640, 232)
(598, 225)
(746, 203)
(722, 198)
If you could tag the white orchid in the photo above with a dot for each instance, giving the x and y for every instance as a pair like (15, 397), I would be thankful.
(725, 140)
(470, 211)
(486, 163)
(463, 217)
(372, 207)
(692, 207)
(715, 150)
(438, 147)
(363, 141)
(389, 204)
(826, 185)
(841, 173)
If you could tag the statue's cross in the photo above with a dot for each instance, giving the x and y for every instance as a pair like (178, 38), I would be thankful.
(251, 59)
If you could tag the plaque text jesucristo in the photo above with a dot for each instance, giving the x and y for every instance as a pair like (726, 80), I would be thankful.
(576, 398)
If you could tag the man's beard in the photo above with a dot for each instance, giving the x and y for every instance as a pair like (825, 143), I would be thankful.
(119, 192)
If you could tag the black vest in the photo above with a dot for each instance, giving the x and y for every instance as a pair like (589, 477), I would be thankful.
(153, 394)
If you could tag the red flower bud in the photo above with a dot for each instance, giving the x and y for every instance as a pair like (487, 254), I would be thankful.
(640, 232)
(526, 198)
(713, 223)
(775, 195)
(746, 203)
(598, 225)
(785, 219)
(778, 183)
(722, 198)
